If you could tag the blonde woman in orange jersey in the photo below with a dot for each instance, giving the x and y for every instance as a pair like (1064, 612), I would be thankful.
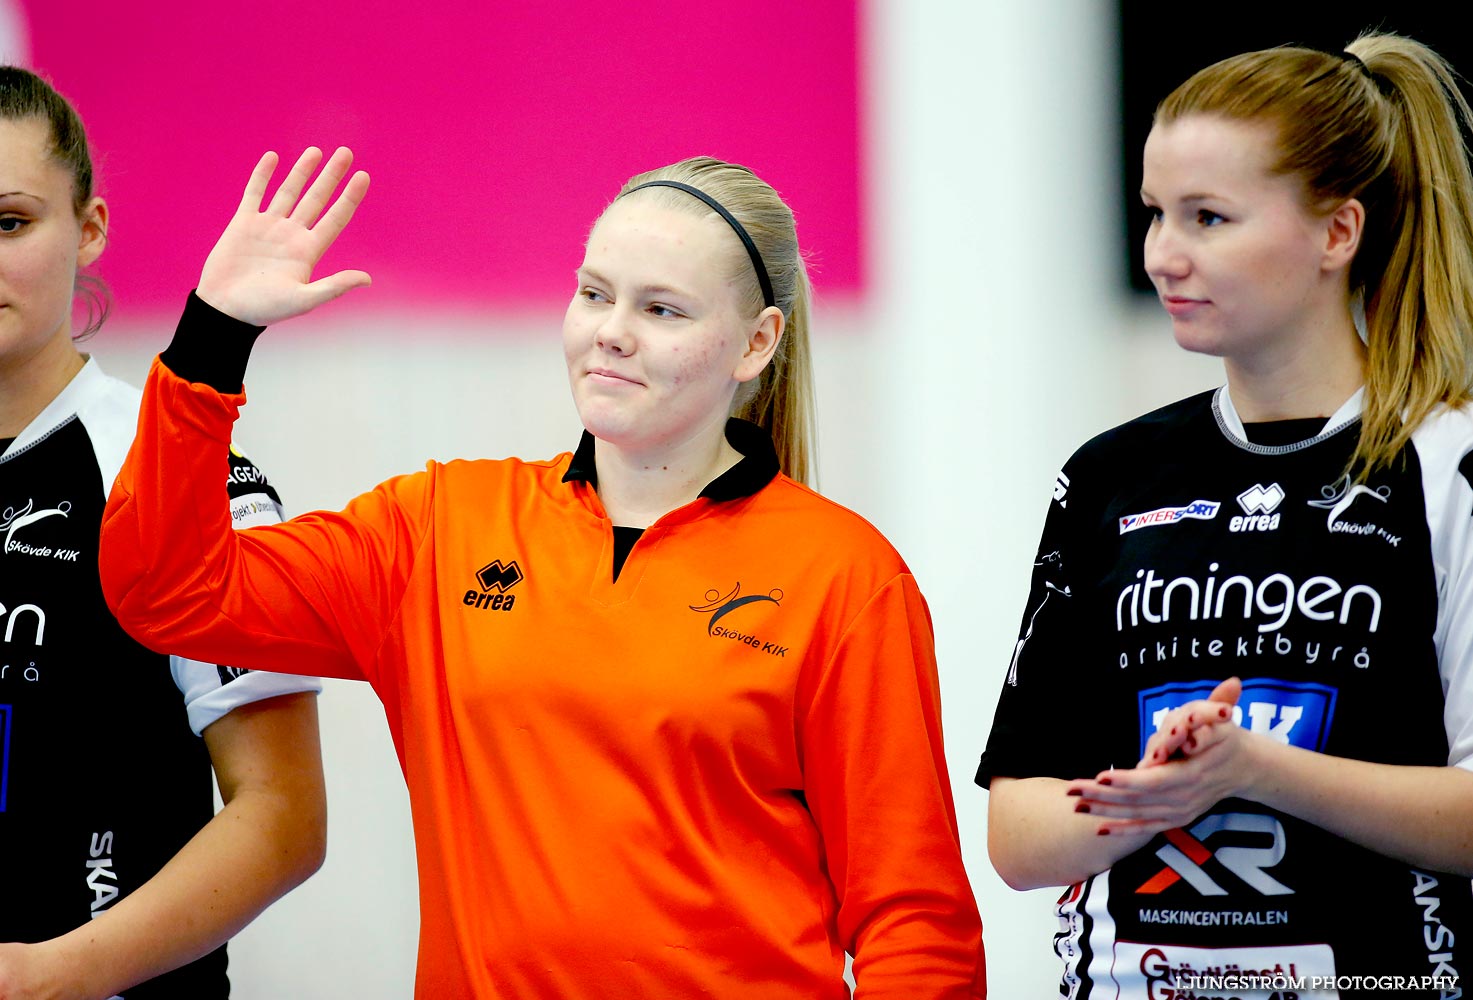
(669, 719)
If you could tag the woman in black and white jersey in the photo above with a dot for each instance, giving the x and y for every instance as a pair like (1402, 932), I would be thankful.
(1292, 553)
(113, 870)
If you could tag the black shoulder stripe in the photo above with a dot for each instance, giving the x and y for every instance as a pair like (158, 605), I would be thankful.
(1466, 467)
(228, 674)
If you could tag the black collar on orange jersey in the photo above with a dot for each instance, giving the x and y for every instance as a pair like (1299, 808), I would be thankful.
(756, 469)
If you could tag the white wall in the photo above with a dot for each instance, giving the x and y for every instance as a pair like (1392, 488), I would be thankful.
(996, 341)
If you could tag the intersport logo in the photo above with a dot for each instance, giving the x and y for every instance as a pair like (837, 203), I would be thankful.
(1201, 510)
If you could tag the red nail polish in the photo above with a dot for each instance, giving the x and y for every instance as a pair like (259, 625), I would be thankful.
(1191, 721)
(1105, 781)
(1222, 713)
(1081, 807)
(1173, 730)
(1075, 791)
(1102, 832)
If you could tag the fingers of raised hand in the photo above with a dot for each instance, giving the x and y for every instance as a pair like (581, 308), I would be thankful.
(290, 189)
(327, 288)
(255, 189)
(311, 204)
(341, 212)
(260, 270)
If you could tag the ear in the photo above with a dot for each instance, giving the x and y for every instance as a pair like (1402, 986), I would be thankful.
(94, 232)
(762, 342)
(1344, 227)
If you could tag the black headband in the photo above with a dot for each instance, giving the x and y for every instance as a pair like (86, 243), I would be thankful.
(736, 227)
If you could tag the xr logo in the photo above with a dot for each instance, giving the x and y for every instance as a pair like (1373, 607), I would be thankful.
(1185, 854)
(498, 577)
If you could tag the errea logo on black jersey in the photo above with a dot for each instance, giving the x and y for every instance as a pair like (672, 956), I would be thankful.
(495, 579)
(1260, 508)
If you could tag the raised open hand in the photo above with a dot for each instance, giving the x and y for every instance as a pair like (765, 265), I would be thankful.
(260, 271)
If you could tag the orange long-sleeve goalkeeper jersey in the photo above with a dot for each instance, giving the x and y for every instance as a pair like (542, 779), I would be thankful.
(708, 777)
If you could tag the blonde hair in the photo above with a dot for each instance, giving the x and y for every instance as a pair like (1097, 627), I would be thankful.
(1382, 124)
(781, 399)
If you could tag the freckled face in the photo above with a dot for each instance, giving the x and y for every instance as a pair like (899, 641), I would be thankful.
(42, 243)
(1235, 255)
(655, 335)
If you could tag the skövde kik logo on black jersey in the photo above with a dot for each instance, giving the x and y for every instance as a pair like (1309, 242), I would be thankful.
(494, 580)
(719, 605)
(1337, 498)
(15, 518)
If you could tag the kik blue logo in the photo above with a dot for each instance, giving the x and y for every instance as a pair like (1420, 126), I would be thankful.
(4, 753)
(1295, 712)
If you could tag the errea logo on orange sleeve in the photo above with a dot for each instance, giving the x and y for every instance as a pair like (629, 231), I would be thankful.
(495, 579)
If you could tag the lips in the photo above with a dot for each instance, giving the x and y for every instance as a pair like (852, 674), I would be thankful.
(1180, 305)
(606, 376)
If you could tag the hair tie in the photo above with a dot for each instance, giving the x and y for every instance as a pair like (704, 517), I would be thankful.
(1360, 64)
(716, 206)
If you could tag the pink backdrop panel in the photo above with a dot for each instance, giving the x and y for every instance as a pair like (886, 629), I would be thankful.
(494, 132)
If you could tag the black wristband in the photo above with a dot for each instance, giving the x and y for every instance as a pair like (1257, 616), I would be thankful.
(210, 347)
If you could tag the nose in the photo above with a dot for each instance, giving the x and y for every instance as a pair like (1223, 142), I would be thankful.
(614, 334)
(1165, 257)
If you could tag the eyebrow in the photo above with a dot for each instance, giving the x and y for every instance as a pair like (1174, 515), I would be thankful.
(656, 290)
(1193, 197)
(22, 194)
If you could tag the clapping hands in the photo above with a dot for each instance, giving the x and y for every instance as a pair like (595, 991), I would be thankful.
(1198, 757)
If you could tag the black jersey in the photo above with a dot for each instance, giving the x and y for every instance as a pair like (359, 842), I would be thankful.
(102, 774)
(1177, 553)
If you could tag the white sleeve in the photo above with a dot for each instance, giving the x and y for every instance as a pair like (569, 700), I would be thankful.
(1444, 446)
(211, 691)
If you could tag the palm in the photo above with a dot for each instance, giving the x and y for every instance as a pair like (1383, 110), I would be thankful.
(260, 270)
